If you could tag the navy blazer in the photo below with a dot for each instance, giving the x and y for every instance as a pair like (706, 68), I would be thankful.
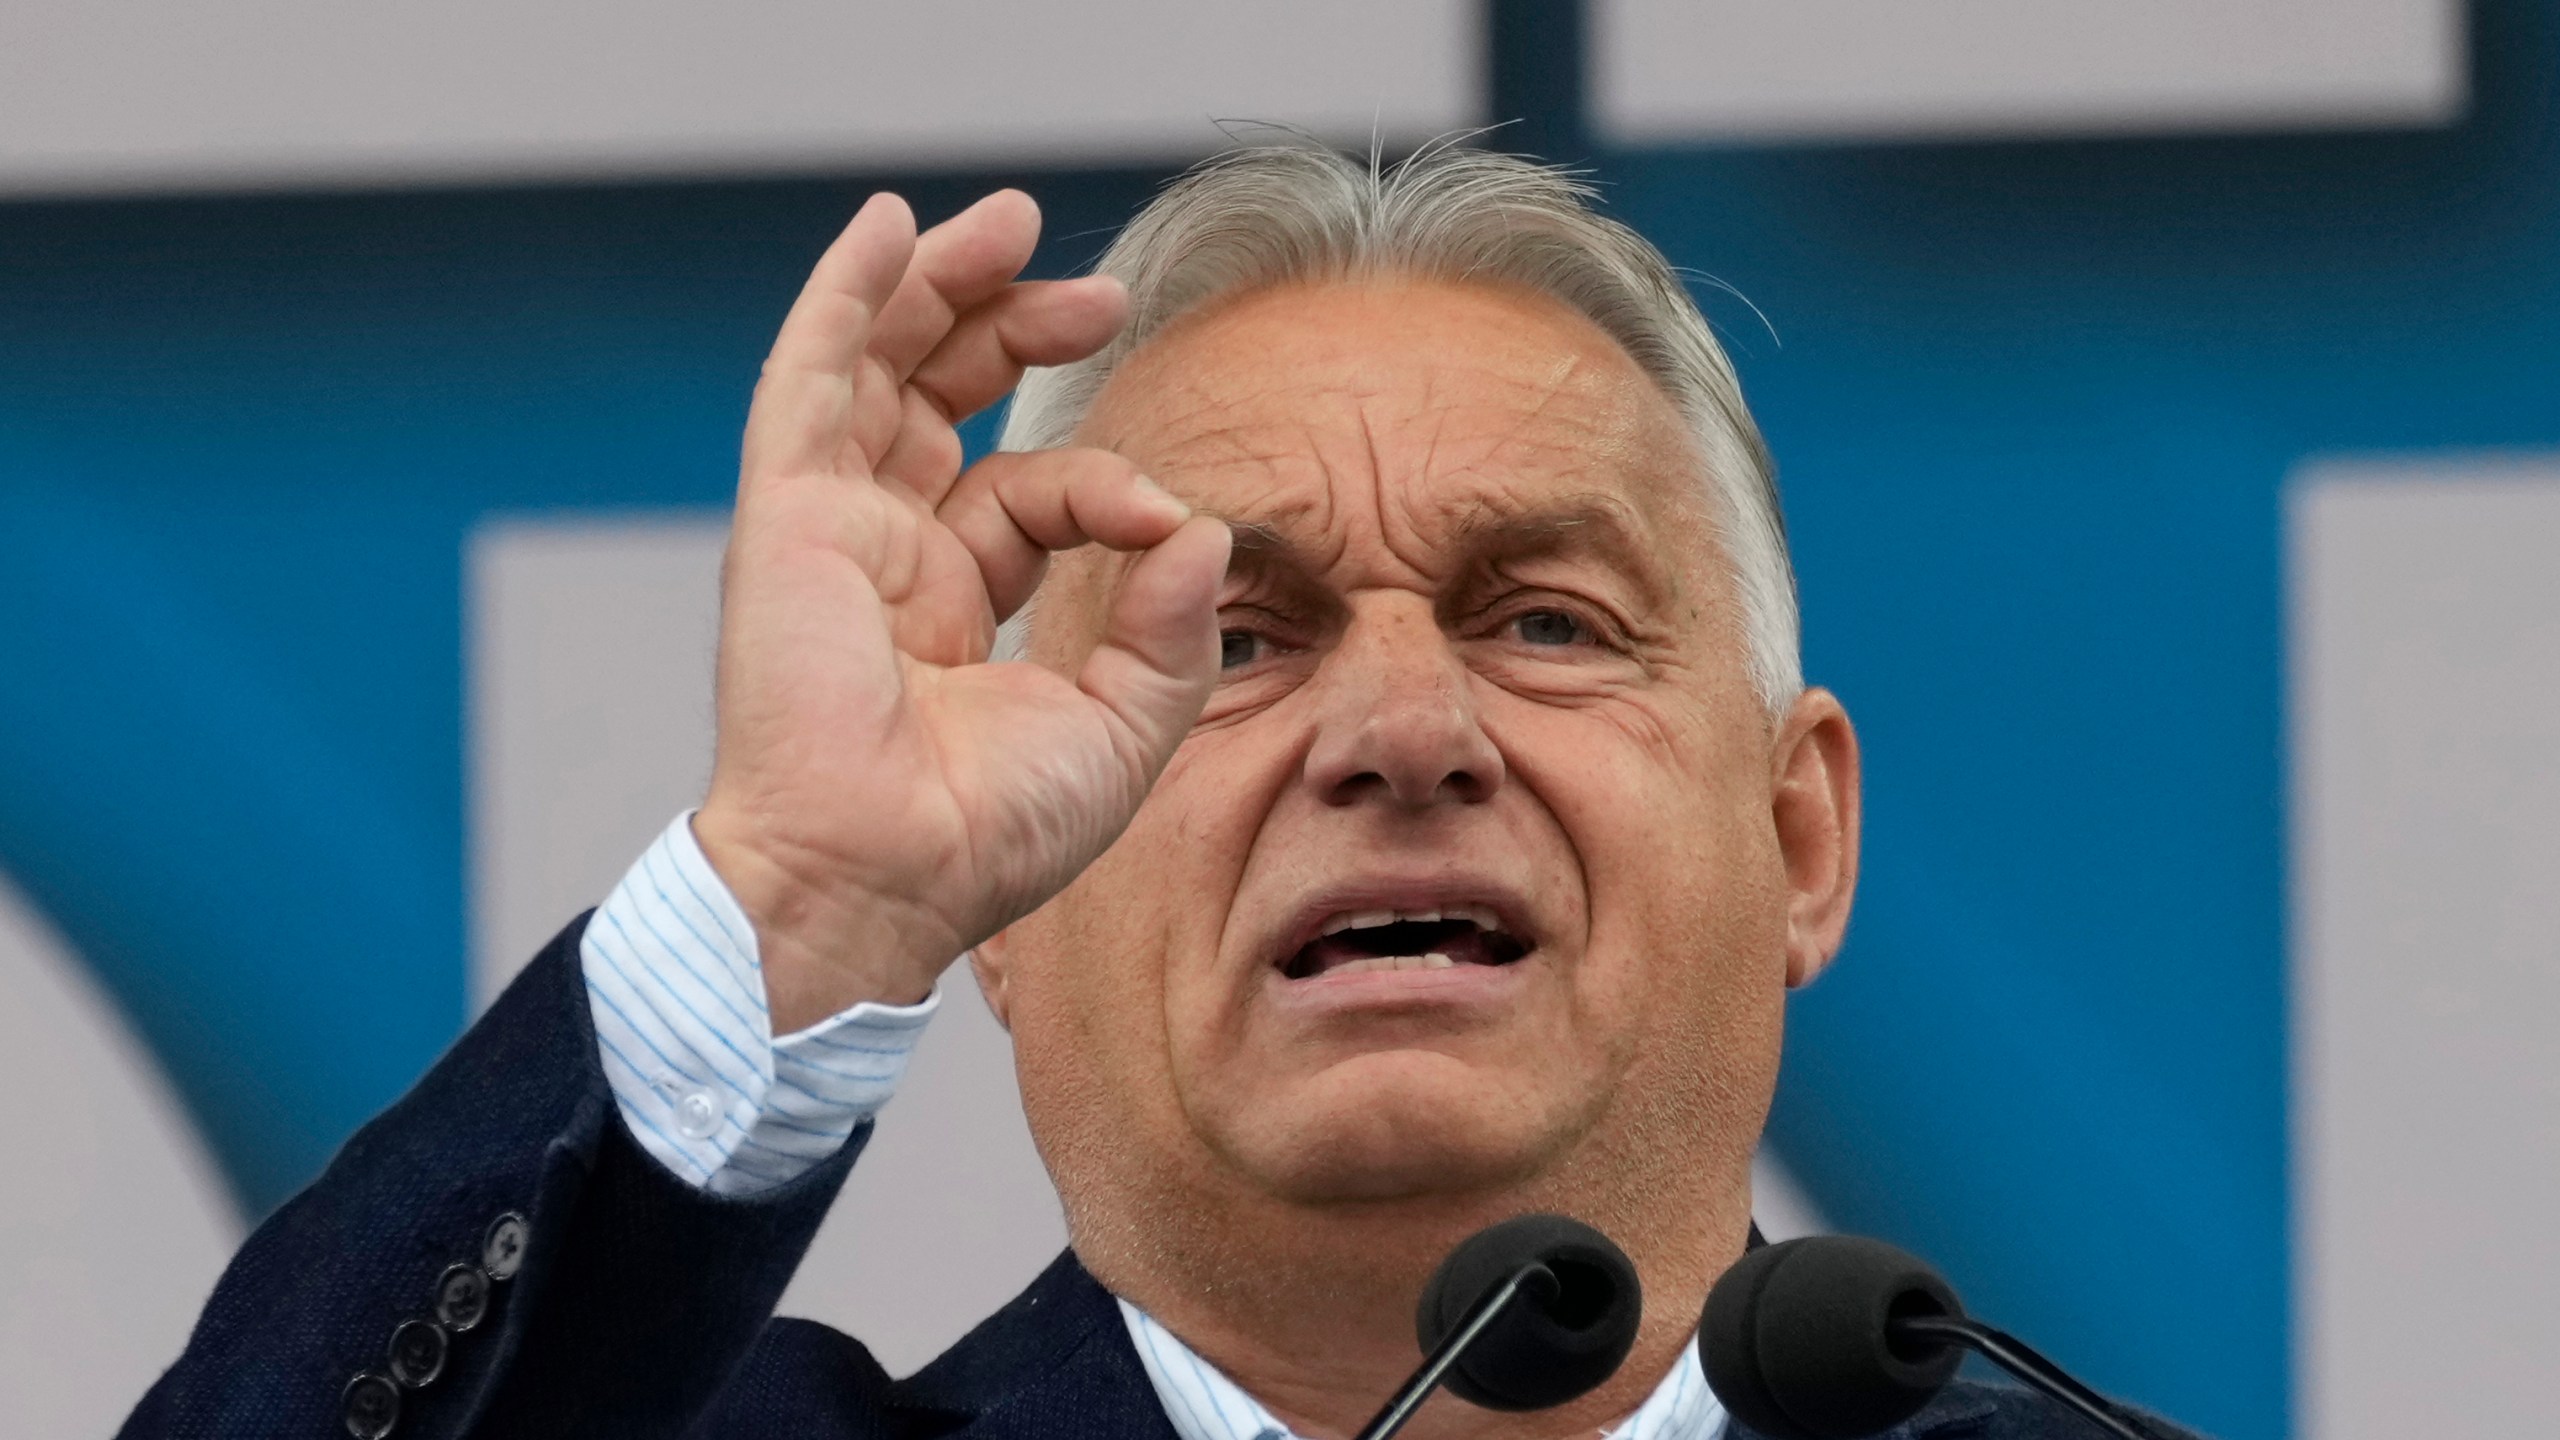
(546, 1278)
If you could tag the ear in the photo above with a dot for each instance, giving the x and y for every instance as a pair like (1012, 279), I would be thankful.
(1815, 805)
(991, 962)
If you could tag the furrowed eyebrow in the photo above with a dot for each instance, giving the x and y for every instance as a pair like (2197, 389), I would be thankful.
(1265, 552)
(1254, 537)
(1554, 523)
(1597, 525)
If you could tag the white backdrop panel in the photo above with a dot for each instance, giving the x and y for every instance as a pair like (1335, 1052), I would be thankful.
(2425, 700)
(124, 94)
(114, 1223)
(1672, 70)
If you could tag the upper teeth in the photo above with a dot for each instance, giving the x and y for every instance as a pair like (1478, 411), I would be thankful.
(1433, 961)
(1475, 915)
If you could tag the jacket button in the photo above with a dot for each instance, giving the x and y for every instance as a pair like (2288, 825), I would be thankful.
(417, 1353)
(502, 1251)
(462, 1297)
(370, 1406)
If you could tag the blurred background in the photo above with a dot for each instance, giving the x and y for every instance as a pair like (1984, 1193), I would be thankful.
(2167, 401)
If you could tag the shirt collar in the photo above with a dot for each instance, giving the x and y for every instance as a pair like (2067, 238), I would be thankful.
(1204, 1404)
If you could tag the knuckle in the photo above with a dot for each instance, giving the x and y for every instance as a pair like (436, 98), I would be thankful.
(1097, 467)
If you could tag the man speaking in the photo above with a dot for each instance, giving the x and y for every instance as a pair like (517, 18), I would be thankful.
(1405, 813)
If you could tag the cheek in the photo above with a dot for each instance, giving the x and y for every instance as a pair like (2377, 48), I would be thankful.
(1119, 970)
(1686, 972)
(1201, 827)
(1087, 993)
(1669, 813)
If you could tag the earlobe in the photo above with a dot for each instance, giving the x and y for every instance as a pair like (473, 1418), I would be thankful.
(990, 964)
(1814, 805)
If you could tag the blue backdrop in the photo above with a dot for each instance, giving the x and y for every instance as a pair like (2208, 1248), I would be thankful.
(2033, 404)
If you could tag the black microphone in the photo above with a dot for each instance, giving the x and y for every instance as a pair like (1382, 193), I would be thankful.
(1837, 1337)
(1523, 1315)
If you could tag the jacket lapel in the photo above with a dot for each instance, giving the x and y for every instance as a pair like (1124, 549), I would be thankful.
(1957, 1410)
(1055, 1363)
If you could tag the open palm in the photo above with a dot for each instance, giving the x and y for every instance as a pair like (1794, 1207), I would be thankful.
(883, 796)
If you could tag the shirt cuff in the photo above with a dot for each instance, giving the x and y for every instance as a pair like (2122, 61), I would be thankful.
(686, 1040)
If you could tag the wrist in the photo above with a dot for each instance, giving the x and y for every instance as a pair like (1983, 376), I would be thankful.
(824, 945)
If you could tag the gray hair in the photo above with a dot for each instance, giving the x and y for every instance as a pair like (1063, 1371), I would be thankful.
(1275, 214)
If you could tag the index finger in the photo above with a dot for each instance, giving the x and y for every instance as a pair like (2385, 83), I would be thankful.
(832, 321)
(1012, 509)
(957, 264)
(1034, 322)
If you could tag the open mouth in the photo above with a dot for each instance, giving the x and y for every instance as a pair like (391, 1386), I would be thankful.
(1354, 944)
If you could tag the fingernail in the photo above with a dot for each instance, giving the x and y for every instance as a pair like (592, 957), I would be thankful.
(1170, 502)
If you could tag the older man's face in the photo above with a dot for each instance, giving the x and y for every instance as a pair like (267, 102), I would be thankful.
(1467, 878)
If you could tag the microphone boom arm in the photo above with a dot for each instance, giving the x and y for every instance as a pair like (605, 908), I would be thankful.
(1533, 1277)
(2015, 1356)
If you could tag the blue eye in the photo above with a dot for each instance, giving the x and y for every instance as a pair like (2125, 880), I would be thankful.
(1238, 647)
(1551, 627)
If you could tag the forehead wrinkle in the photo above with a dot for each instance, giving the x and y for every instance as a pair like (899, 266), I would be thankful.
(1304, 451)
(1411, 494)
(1418, 562)
(1291, 529)
(1606, 422)
(1515, 481)
(1235, 442)
(1568, 423)
(1552, 416)
(1575, 412)
(1559, 374)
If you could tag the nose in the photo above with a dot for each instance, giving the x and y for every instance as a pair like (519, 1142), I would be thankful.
(1396, 723)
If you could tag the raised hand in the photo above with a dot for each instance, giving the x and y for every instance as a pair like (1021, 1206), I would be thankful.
(883, 797)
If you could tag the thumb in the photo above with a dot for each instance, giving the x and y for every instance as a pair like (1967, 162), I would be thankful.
(1159, 652)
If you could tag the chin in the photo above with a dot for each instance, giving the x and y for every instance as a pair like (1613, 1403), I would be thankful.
(1399, 1126)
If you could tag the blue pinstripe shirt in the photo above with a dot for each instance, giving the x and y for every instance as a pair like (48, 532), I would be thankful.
(707, 1088)
(1204, 1404)
(714, 1095)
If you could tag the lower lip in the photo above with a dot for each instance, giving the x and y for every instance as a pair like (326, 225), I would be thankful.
(1453, 987)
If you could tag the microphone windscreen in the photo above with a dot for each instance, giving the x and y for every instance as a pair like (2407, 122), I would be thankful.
(1796, 1341)
(1546, 1348)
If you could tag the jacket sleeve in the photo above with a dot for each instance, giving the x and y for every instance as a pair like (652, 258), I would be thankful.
(493, 1256)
